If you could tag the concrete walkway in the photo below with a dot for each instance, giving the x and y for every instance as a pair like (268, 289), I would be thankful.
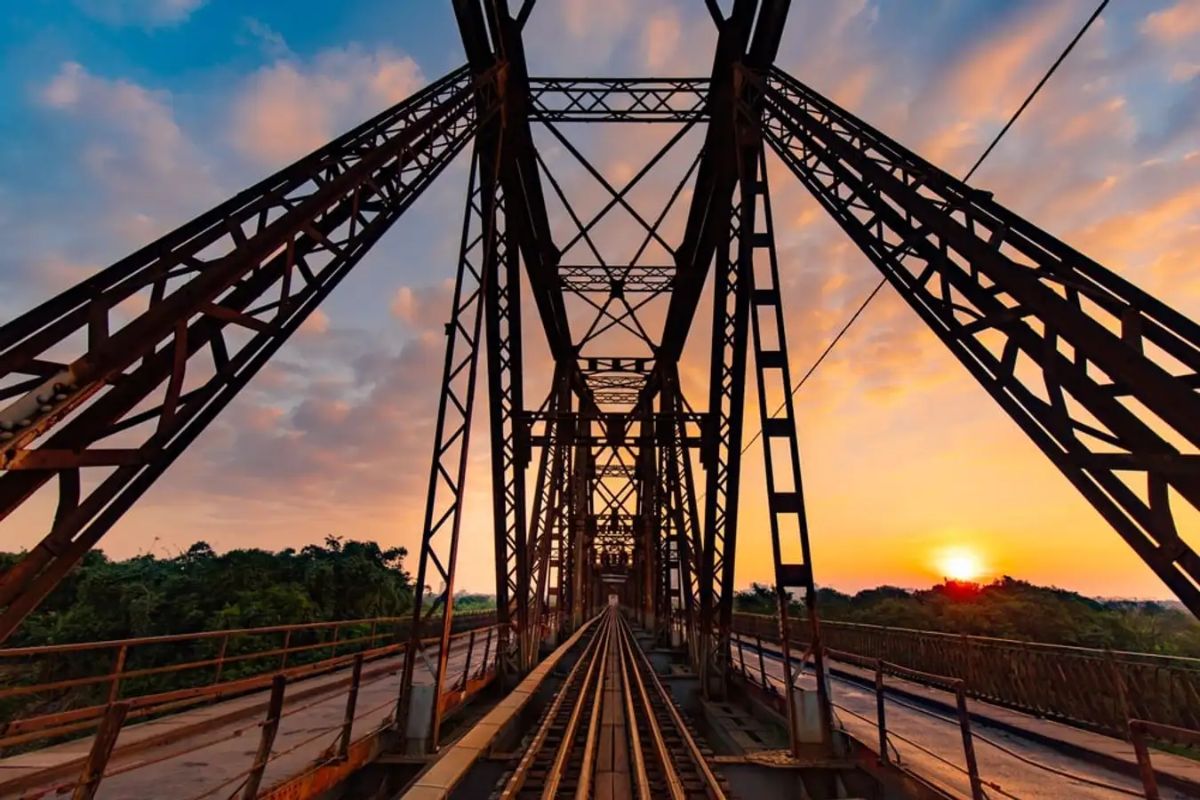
(923, 716)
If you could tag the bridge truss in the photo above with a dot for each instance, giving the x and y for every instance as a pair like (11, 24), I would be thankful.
(635, 484)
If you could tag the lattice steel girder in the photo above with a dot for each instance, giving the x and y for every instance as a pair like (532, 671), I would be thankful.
(548, 518)
(617, 279)
(478, 254)
(261, 261)
(717, 173)
(1099, 374)
(618, 99)
(790, 550)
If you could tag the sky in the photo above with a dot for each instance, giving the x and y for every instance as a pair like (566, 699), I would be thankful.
(122, 119)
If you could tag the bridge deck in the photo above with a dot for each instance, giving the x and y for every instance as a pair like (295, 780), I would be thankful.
(924, 716)
(206, 752)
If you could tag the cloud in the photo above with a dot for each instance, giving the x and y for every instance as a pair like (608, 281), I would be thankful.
(269, 41)
(290, 108)
(1173, 25)
(133, 148)
(315, 324)
(146, 13)
(661, 38)
(423, 308)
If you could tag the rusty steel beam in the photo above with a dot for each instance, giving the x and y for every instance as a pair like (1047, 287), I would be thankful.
(452, 434)
(618, 99)
(260, 262)
(1099, 374)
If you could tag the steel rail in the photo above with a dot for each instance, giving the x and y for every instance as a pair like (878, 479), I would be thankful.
(517, 780)
(712, 784)
(670, 773)
(550, 790)
(583, 788)
(642, 780)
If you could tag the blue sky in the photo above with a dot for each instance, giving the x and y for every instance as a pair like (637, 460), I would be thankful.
(120, 119)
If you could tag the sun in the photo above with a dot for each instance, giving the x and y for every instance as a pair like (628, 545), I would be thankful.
(960, 564)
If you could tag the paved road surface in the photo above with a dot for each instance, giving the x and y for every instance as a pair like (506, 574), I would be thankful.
(939, 732)
(217, 759)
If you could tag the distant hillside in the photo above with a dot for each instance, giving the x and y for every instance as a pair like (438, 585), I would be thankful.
(1011, 609)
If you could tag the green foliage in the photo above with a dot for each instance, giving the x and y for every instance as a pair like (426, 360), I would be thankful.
(1007, 608)
(200, 590)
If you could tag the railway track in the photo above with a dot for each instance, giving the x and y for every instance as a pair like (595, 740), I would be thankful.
(612, 732)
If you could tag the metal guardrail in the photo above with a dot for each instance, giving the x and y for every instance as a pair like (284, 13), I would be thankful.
(1099, 689)
(58, 690)
(1139, 731)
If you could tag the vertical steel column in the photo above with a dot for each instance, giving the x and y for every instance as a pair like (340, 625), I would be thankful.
(583, 468)
(679, 503)
(447, 472)
(502, 310)
(546, 519)
(723, 459)
(560, 551)
(656, 609)
(785, 494)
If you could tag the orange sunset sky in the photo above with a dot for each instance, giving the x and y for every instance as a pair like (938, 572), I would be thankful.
(911, 471)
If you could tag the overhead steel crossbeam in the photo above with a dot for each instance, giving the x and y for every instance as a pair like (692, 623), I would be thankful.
(222, 293)
(617, 293)
(618, 99)
(1099, 374)
(618, 279)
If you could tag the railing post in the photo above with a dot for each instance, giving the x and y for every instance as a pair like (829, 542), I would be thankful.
(287, 643)
(487, 649)
(221, 658)
(762, 664)
(336, 630)
(351, 702)
(1149, 781)
(880, 711)
(374, 624)
(114, 686)
(102, 747)
(1118, 685)
(267, 739)
(969, 665)
(964, 723)
(742, 656)
(467, 665)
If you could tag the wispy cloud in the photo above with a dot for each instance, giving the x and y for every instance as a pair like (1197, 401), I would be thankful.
(290, 108)
(144, 13)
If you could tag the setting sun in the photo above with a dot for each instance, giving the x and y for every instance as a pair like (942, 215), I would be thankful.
(960, 564)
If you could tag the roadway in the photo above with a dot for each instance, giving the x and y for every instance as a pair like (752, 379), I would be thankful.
(208, 750)
(918, 714)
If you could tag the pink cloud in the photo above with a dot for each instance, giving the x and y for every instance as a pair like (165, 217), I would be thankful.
(290, 108)
(1174, 24)
(135, 149)
(423, 308)
(661, 38)
(315, 324)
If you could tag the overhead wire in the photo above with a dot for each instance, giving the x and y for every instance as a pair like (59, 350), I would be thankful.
(978, 162)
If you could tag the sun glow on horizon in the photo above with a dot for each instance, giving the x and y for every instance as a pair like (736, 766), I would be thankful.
(960, 564)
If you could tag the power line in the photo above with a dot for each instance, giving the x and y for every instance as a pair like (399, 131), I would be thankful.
(983, 157)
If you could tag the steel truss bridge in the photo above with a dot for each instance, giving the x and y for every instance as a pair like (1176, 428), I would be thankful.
(615, 481)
